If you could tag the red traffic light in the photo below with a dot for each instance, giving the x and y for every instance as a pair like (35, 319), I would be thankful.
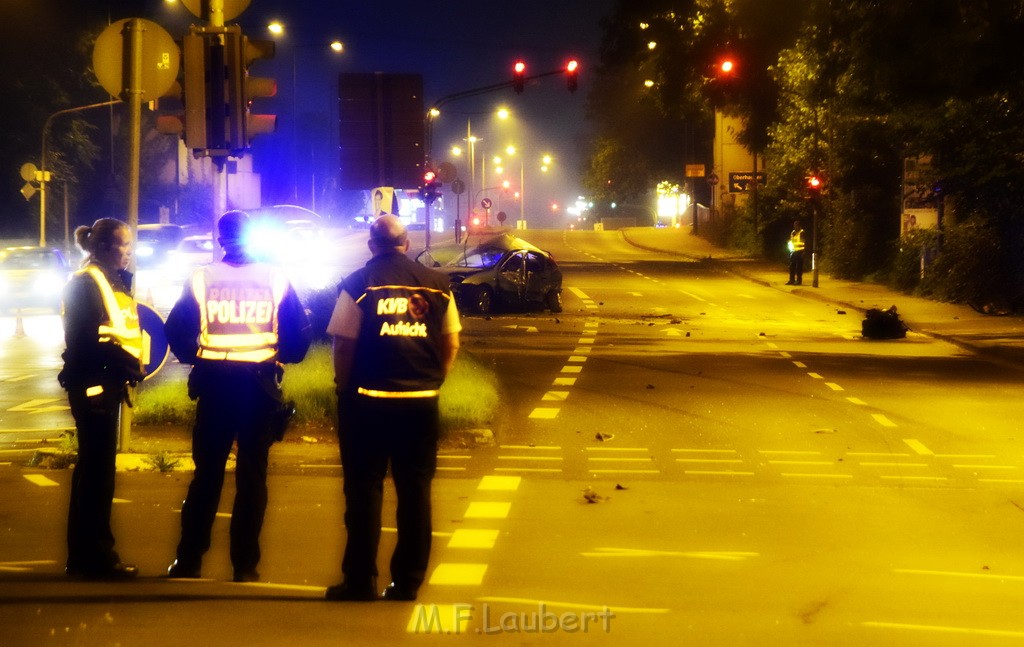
(429, 177)
(572, 69)
(814, 183)
(519, 76)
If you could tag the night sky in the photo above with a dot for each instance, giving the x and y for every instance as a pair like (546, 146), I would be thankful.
(455, 44)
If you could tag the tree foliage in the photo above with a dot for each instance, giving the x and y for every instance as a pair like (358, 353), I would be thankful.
(847, 89)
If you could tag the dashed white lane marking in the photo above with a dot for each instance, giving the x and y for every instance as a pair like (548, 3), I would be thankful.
(473, 538)
(799, 365)
(23, 566)
(451, 574)
(834, 386)
(857, 401)
(564, 381)
(544, 413)
(557, 396)
(966, 631)
(573, 605)
(499, 483)
(882, 420)
(617, 449)
(572, 369)
(488, 510)
(530, 458)
(577, 358)
(918, 447)
(40, 480)
(693, 296)
(815, 376)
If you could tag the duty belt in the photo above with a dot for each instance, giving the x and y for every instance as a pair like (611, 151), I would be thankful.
(373, 393)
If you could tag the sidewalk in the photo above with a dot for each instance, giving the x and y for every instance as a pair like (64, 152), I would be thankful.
(997, 338)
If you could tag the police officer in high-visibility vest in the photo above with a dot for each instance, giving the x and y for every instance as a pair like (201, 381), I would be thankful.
(236, 322)
(796, 254)
(396, 334)
(103, 357)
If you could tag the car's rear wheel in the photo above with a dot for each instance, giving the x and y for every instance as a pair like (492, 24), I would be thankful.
(484, 301)
(553, 301)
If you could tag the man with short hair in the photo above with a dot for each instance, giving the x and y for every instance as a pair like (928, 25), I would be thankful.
(396, 335)
(236, 322)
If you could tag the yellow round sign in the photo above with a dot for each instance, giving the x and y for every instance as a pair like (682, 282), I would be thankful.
(160, 59)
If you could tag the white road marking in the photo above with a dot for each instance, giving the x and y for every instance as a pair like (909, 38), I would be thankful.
(40, 480)
(918, 447)
(882, 420)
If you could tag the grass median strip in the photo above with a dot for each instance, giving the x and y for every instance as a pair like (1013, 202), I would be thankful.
(469, 398)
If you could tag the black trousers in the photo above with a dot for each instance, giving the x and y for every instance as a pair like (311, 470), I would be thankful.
(90, 539)
(229, 408)
(796, 266)
(376, 432)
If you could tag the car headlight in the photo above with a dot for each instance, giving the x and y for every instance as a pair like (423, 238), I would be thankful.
(48, 284)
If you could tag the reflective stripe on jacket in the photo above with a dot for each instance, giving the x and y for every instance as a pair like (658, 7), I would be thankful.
(122, 325)
(238, 311)
(796, 240)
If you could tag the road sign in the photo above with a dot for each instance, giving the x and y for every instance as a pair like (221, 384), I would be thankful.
(458, 187)
(694, 170)
(160, 60)
(486, 203)
(742, 182)
(713, 179)
(28, 171)
(502, 216)
(28, 191)
(154, 340)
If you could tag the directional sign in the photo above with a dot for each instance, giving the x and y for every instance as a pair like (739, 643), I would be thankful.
(154, 340)
(486, 203)
(742, 182)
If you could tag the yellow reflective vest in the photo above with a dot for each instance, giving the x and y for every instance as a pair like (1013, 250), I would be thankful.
(122, 324)
(238, 311)
(796, 240)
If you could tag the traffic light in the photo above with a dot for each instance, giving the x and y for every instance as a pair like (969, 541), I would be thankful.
(572, 69)
(255, 87)
(814, 184)
(725, 68)
(430, 189)
(242, 52)
(519, 76)
(191, 123)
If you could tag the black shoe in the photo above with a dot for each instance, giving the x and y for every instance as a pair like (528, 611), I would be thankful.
(395, 593)
(118, 571)
(345, 592)
(249, 575)
(790, 282)
(182, 570)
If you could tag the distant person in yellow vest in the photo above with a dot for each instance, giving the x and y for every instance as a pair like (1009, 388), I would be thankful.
(796, 254)
(236, 322)
(103, 356)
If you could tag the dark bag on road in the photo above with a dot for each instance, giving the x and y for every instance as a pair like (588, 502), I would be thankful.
(883, 324)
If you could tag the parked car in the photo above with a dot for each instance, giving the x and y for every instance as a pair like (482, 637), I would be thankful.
(502, 272)
(154, 243)
(32, 278)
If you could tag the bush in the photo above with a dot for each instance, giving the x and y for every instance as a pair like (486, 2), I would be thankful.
(971, 266)
(905, 274)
